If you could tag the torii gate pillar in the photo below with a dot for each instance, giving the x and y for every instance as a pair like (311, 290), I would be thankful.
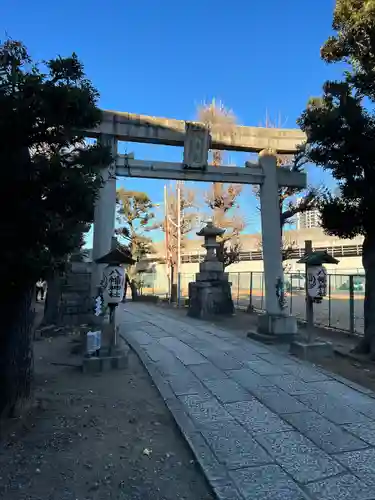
(105, 213)
(276, 320)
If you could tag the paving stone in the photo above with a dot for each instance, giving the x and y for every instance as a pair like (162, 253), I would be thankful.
(227, 390)
(305, 373)
(233, 446)
(187, 384)
(328, 436)
(155, 332)
(366, 432)
(223, 361)
(207, 371)
(351, 396)
(292, 384)
(278, 359)
(249, 379)
(349, 383)
(227, 492)
(361, 463)
(157, 353)
(333, 409)
(172, 367)
(264, 368)
(278, 400)
(183, 352)
(299, 457)
(343, 487)
(268, 482)
(243, 355)
(216, 473)
(203, 410)
(221, 344)
(256, 417)
(140, 336)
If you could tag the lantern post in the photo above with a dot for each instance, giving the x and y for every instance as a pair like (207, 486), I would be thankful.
(316, 290)
(113, 283)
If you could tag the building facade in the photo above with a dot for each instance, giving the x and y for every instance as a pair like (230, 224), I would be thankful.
(308, 220)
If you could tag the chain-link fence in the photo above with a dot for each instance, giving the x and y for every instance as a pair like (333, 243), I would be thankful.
(342, 308)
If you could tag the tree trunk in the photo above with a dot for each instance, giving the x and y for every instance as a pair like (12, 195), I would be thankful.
(367, 344)
(51, 306)
(16, 353)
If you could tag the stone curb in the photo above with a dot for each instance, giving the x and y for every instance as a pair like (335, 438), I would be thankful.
(215, 473)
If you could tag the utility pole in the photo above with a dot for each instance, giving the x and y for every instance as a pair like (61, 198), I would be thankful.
(178, 241)
(166, 232)
(178, 227)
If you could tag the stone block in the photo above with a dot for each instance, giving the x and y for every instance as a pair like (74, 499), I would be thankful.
(227, 391)
(233, 446)
(292, 385)
(91, 365)
(106, 364)
(279, 401)
(366, 432)
(210, 299)
(282, 328)
(332, 408)
(267, 482)
(361, 463)
(184, 353)
(257, 418)
(264, 368)
(207, 371)
(249, 379)
(222, 360)
(305, 372)
(311, 350)
(299, 457)
(203, 411)
(120, 362)
(342, 487)
(326, 435)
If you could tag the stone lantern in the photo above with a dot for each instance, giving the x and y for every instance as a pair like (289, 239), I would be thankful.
(210, 294)
(112, 284)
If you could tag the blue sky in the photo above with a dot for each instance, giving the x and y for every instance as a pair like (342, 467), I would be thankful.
(165, 58)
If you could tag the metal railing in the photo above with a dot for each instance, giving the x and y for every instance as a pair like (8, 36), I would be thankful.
(342, 308)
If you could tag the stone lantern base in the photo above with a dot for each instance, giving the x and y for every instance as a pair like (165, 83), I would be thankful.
(210, 294)
(210, 298)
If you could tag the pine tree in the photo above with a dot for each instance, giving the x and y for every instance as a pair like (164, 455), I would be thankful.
(340, 129)
(50, 180)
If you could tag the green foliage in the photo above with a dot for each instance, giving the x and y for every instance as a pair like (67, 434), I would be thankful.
(134, 212)
(340, 129)
(50, 177)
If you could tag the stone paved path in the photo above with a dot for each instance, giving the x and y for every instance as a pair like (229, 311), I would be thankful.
(262, 425)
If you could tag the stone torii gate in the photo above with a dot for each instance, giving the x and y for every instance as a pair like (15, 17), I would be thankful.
(197, 140)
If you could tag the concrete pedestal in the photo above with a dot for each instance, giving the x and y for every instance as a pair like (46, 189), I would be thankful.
(102, 363)
(275, 328)
(311, 350)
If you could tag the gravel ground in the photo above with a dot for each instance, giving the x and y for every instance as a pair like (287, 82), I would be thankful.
(107, 436)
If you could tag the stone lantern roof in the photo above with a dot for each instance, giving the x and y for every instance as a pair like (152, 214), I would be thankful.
(210, 230)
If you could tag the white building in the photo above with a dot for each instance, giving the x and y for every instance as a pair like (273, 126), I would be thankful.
(308, 219)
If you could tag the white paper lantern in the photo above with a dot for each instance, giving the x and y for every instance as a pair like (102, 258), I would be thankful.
(317, 282)
(113, 284)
